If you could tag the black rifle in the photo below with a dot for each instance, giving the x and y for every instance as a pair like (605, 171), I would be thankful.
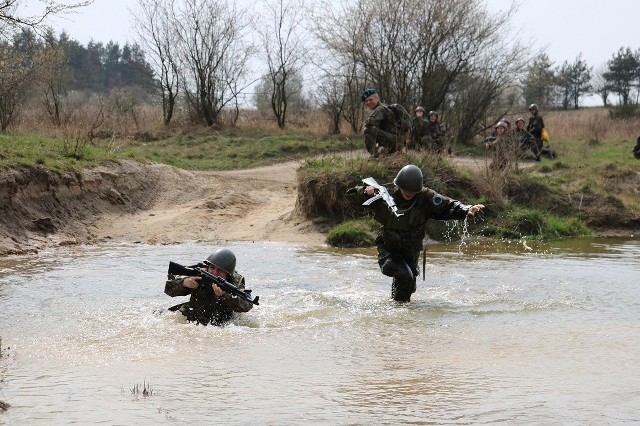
(207, 278)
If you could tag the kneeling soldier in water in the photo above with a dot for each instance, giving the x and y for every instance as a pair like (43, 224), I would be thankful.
(209, 304)
(400, 241)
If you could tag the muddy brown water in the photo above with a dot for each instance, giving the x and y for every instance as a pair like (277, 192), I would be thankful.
(514, 333)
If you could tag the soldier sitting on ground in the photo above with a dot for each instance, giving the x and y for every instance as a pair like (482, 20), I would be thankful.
(526, 140)
(502, 148)
(418, 129)
(434, 138)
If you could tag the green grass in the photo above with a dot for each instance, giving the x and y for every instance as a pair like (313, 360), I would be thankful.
(228, 152)
(27, 150)
(211, 152)
(354, 233)
(521, 221)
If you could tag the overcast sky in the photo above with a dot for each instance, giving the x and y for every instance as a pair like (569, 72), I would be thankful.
(566, 28)
(595, 28)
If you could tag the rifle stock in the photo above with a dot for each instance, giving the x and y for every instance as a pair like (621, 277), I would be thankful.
(207, 278)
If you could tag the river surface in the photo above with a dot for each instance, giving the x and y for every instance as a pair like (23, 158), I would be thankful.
(512, 333)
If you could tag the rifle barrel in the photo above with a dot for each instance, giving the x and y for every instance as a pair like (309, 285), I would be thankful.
(177, 269)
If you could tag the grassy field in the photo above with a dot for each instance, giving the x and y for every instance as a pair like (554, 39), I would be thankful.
(206, 152)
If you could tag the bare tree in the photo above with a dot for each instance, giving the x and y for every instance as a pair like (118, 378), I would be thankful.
(56, 77)
(213, 54)
(600, 85)
(19, 69)
(155, 29)
(284, 51)
(485, 88)
(333, 100)
(422, 51)
(339, 65)
(12, 20)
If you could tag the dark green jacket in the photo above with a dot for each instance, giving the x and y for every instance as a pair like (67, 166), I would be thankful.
(535, 126)
(434, 130)
(418, 128)
(382, 118)
(204, 306)
(407, 231)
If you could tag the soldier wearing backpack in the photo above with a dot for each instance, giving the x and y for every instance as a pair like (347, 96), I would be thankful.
(382, 135)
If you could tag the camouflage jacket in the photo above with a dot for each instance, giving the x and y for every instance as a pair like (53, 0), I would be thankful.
(535, 126)
(418, 127)
(382, 117)
(434, 130)
(407, 231)
(204, 306)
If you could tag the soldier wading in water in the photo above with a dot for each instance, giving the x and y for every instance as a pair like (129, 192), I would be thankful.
(209, 304)
(400, 240)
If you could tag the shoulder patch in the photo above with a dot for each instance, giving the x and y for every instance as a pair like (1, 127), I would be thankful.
(437, 200)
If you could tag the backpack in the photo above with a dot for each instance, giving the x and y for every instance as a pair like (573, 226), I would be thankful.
(403, 119)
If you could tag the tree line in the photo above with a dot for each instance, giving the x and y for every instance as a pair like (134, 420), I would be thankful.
(194, 58)
(55, 68)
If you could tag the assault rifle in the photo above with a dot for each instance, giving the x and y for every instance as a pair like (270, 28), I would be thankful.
(382, 193)
(207, 278)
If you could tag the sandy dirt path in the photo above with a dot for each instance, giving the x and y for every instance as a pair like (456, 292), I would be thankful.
(240, 205)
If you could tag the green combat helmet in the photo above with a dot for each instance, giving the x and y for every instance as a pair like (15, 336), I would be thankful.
(224, 259)
(409, 179)
(420, 109)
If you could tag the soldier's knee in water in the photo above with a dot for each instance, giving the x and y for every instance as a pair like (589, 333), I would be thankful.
(388, 267)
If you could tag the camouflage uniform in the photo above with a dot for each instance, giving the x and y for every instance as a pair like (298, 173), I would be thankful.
(418, 131)
(434, 138)
(204, 307)
(380, 131)
(400, 241)
(526, 142)
(504, 151)
(535, 126)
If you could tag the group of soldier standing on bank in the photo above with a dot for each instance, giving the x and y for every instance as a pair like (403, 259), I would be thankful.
(384, 134)
(508, 145)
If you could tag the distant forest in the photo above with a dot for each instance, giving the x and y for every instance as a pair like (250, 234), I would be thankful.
(95, 67)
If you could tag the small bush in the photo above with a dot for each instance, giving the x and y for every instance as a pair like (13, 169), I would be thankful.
(624, 112)
(519, 222)
(353, 233)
